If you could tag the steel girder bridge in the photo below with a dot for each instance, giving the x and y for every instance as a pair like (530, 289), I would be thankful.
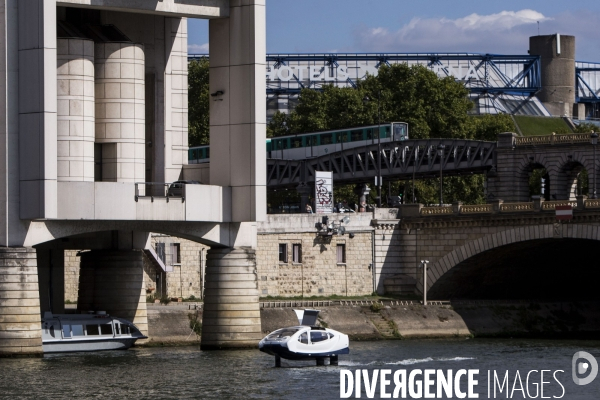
(587, 82)
(404, 160)
(480, 73)
(503, 83)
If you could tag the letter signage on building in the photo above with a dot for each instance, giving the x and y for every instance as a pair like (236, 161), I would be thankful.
(323, 192)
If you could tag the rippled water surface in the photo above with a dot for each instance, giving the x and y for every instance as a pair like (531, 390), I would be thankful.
(187, 372)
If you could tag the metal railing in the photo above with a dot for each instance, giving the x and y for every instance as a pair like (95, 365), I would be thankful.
(160, 190)
(333, 303)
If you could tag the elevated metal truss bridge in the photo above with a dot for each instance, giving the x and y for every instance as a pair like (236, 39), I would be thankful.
(399, 161)
(587, 82)
(480, 73)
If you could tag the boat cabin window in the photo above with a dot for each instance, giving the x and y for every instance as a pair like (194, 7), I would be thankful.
(318, 336)
(124, 329)
(303, 338)
(117, 329)
(92, 330)
(66, 331)
(77, 330)
(106, 329)
(281, 333)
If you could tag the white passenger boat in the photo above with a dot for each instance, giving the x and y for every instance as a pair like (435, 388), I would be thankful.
(65, 333)
(306, 341)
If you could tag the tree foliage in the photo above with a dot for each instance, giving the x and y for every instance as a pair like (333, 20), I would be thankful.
(586, 127)
(198, 98)
(433, 107)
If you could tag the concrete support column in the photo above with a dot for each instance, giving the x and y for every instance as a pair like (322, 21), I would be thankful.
(75, 110)
(51, 279)
(556, 185)
(176, 98)
(37, 108)
(113, 281)
(20, 319)
(231, 316)
(237, 107)
(120, 111)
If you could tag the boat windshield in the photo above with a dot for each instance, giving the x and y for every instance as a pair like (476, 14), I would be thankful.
(282, 333)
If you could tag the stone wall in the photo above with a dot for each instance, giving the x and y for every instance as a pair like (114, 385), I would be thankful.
(71, 275)
(184, 278)
(318, 273)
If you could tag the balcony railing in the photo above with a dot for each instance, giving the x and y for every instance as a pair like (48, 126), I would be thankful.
(160, 190)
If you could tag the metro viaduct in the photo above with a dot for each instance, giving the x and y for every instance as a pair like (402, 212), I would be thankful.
(507, 164)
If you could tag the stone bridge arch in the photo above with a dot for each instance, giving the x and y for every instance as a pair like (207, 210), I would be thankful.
(444, 266)
(560, 155)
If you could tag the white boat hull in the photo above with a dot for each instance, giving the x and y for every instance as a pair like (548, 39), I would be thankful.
(71, 346)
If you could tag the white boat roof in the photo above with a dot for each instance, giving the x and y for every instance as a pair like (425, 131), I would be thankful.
(307, 317)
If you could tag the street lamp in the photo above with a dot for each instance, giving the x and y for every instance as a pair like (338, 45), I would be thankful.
(424, 266)
(594, 137)
(366, 99)
(440, 151)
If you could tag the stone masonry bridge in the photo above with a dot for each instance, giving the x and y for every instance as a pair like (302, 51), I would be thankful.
(490, 251)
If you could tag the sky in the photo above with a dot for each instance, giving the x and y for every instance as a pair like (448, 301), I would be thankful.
(440, 26)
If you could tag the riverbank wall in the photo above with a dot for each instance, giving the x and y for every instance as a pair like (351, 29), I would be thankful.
(170, 325)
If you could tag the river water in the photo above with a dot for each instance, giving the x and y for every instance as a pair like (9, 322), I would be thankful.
(188, 373)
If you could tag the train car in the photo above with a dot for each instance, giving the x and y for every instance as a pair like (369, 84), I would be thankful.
(199, 154)
(308, 145)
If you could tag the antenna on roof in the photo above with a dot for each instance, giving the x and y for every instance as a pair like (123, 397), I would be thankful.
(538, 22)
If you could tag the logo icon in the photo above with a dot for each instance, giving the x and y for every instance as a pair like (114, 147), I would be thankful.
(580, 367)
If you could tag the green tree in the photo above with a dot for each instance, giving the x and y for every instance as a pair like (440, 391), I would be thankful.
(432, 106)
(487, 127)
(586, 127)
(198, 102)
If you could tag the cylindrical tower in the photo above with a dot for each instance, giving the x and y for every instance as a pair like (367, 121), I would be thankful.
(75, 114)
(120, 110)
(558, 79)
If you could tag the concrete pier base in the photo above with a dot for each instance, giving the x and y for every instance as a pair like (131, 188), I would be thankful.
(20, 319)
(113, 281)
(231, 316)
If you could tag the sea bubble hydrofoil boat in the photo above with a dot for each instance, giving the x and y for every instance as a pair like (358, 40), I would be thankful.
(306, 341)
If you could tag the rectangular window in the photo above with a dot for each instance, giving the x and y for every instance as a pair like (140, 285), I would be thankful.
(283, 253)
(175, 253)
(341, 253)
(327, 138)
(92, 330)
(66, 331)
(297, 142)
(297, 253)
(161, 253)
(357, 136)
(106, 329)
(77, 330)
